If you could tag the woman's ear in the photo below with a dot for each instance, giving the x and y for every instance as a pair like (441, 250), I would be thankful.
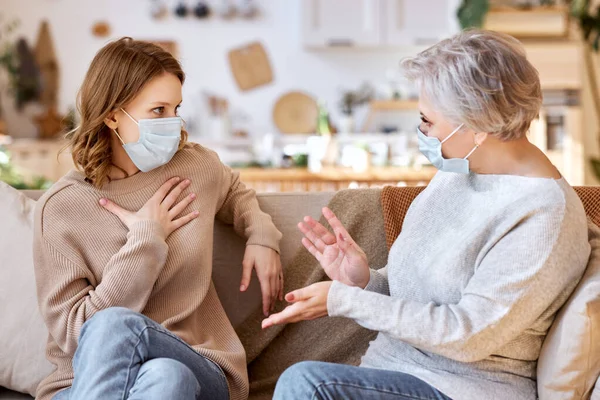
(480, 137)
(111, 121)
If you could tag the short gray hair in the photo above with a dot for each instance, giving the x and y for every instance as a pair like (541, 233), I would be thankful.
(479, 78)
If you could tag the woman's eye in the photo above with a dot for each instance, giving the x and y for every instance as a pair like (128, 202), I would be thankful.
(423, 120)
(159, 110)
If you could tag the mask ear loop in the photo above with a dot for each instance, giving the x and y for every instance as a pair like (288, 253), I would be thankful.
(472, 151)
(453, 133)
(119, 136)
(117, 133)
(133, 119)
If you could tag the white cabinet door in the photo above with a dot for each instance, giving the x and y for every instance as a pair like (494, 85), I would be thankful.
(419, 22)
(347, 23)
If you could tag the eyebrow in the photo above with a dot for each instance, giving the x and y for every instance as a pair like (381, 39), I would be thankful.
(163, 103)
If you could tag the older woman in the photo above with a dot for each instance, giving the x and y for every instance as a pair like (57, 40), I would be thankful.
(487, 255)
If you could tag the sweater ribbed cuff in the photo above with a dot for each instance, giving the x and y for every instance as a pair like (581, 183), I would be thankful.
(148, 230)
(377, 283)
(267, 236)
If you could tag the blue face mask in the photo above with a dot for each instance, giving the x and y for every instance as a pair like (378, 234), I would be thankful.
(431, 148)
(159, 141)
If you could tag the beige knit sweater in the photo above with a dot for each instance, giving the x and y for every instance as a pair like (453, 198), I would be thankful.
(86, 260)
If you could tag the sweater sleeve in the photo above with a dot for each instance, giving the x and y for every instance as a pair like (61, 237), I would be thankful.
(66, 295)
(515, 282)
(240, 208)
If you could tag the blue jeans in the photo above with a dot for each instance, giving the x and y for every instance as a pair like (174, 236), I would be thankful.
(124, 355)
(312, 380)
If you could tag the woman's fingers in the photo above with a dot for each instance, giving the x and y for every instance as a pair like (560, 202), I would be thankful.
(281, 286)
(299, 295)
(247, 267)
(265, 288)
(312, 249)
(162, 192)
(279, 278)
(274, 290)
(289, 314)
(179, 207)
(117, 210)
(335, 224)
(326, 236)
(312, 236)
(178, 223)
(174, 194)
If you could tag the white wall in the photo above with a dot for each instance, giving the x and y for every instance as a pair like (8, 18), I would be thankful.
(203, 45)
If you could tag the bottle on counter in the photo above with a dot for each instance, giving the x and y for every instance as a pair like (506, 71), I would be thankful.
(325, 150)
(324, 125)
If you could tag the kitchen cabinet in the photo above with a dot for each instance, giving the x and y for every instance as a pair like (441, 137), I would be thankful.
(328, 23)
(423, 22)
(377, 23)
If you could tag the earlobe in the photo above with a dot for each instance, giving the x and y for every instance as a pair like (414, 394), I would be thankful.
(111, 121)
(480, 137)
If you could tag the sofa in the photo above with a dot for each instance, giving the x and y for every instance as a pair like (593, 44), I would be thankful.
(287, 209)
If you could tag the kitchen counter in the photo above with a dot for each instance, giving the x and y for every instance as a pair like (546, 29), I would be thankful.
(38, 157)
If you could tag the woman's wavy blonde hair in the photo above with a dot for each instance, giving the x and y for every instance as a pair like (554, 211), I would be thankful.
(117, 74)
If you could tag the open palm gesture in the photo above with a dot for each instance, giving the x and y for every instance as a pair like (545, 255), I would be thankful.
(338, 254)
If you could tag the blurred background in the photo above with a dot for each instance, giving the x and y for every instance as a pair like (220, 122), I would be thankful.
(298, 95)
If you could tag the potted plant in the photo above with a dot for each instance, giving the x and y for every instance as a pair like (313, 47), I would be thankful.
(348, 103)
(8, 61)
(18, 67)
(10, 175)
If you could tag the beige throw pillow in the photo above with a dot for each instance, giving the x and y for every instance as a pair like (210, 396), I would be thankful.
(569, 362)
(23, 333)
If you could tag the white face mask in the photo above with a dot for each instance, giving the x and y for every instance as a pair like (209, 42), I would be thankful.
(431, 148)
(159, 141)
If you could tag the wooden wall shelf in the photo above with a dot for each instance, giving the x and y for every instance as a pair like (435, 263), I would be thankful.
(377, 106)
(539, 22)
(393, 105)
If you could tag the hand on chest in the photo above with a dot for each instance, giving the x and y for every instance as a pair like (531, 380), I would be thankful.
(109, 235)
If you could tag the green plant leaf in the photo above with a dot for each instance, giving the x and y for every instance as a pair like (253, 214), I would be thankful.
(579, 7)
(471, 13)
(596, 166)
(9, 175)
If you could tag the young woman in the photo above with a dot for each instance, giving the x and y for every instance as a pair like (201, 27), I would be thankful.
(123, 246)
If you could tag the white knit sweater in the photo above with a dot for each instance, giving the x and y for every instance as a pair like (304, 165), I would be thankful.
(473, 284)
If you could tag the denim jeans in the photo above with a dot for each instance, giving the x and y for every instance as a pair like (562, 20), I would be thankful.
(124, 355)
(312, 380)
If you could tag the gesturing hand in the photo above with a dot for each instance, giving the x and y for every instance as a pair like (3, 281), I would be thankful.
(306, 304)
(338, 254)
